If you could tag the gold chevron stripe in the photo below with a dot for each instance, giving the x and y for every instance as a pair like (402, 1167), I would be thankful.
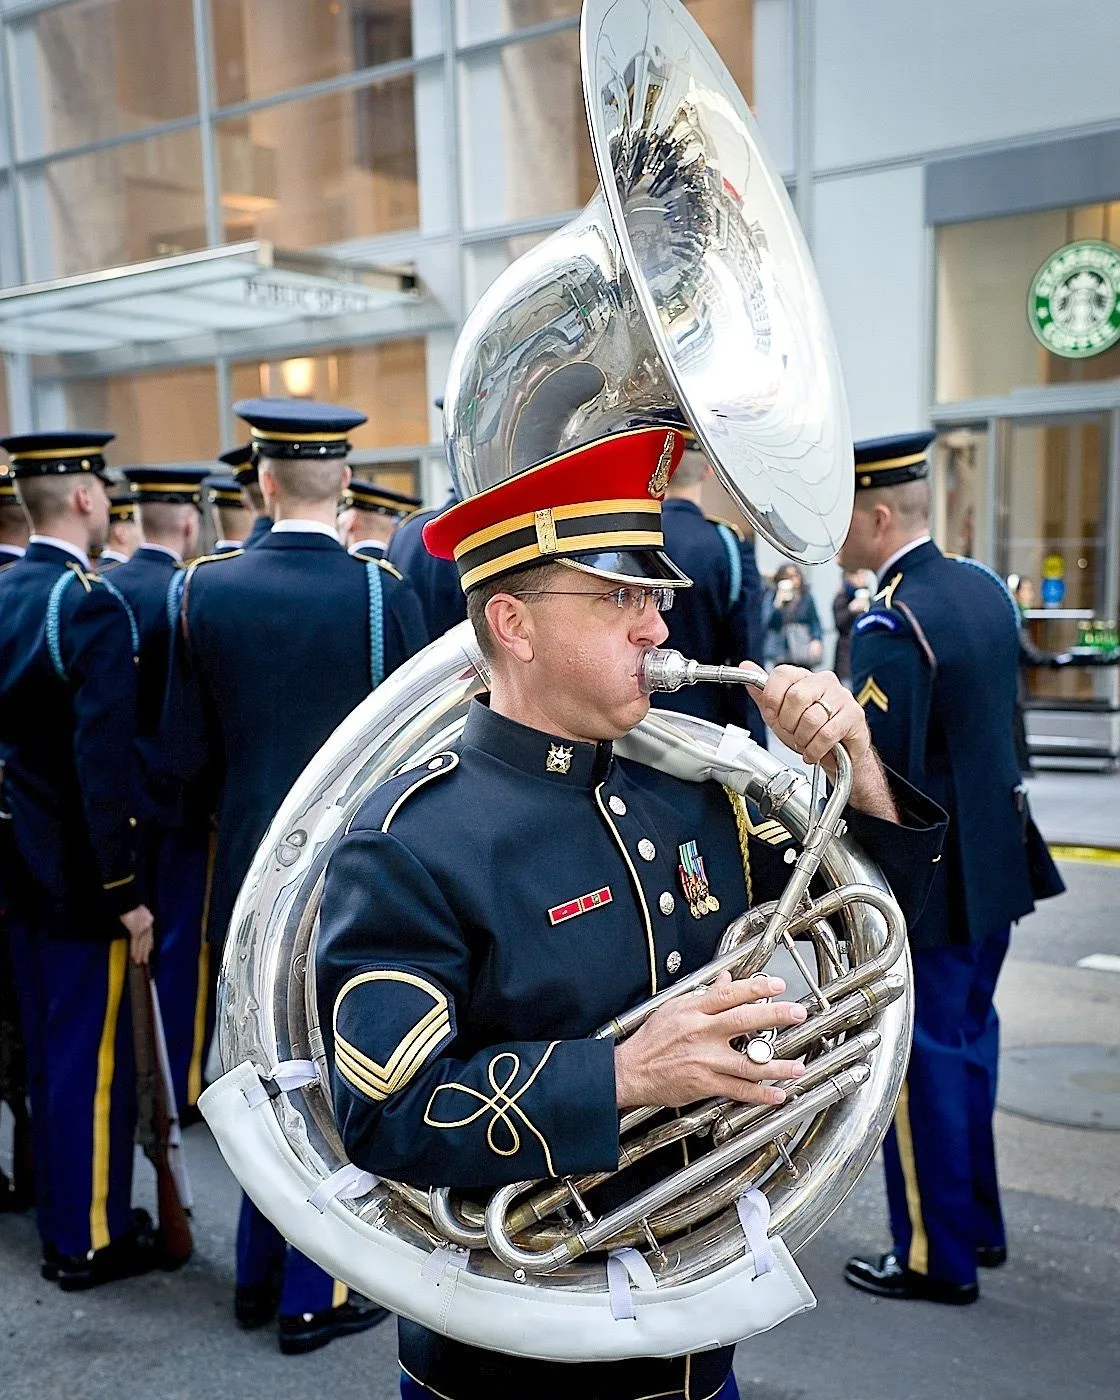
(378, 1081)
(404, 1048)
(378, 1087)
(874, 694)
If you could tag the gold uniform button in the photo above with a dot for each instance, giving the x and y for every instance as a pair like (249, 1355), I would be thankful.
(666, 903)
(617, 806)
(673, 963)
(646, 849)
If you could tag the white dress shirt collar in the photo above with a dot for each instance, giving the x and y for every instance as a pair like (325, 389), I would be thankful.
(69, 548)
(898, 554)
(304, 527)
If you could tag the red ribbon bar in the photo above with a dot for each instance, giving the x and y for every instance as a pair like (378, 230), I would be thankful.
(562, 912)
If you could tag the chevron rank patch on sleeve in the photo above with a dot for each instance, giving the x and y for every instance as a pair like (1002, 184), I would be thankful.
(388, 1022)
(873, 694)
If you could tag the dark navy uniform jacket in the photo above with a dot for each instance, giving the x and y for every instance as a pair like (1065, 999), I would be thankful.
(274, 651)
(934, 663)
(8, 556)
(144, 581)
(67, 735)
(719, 619)
(436, 581)
(484, 913)
(260, 530)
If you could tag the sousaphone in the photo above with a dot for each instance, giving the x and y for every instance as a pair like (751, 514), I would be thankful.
(683, 295)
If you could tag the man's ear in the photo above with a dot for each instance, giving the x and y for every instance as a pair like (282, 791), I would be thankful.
(347, 477)
(508, 618)
(82, 498)
(266, 481)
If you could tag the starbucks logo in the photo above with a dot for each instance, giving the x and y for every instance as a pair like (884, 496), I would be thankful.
(1074, 302)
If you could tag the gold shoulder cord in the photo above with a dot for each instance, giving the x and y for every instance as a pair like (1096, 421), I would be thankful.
(742, 827)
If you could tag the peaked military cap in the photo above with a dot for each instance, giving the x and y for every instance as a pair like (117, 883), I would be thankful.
(367, 495)
(224, 491)
(56, 454)
(173, 485)
(889, 461)
(299, 428)
(597, 507)
(122, 506)
(243, 461)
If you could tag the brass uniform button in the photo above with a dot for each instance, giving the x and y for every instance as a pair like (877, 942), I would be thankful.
(617, 806)
(673, 963)
(646, 849)
(666, 903)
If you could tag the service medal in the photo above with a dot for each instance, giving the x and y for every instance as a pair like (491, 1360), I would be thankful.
(694, 881)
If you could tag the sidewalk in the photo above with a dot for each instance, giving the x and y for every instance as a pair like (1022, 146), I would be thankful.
(1077, 809)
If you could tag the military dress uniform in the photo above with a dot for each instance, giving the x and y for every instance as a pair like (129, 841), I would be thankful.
(367, 499)
(435, 580)
(68, 686)
(487, 910)
(719, 619)
(223, 493)
(934, 663)
(275, 646)
(177, 845)
(243, 462)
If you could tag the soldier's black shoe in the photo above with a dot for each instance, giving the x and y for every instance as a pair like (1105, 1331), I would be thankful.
(190, 1115)
(888, 1277)
(48, 1264)
(135, 1253)
(255, 1304)
(991, 1256)
(310, 1331)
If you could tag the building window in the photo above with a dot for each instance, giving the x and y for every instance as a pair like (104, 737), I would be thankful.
(123, 204)
(984, 273)
(525, 148)
(487, 19)
(263, 47)
(158, 416)
(102, 68)
(322, 170)
(387, 381)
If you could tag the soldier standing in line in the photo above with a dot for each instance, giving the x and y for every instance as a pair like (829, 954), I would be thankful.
(233, 518)
(14, 528)
(169, 502)
(934, 664)
(242, 461)
(78, 909)
(369, 514)
(719, 619)
(123, 539)
(276, 645)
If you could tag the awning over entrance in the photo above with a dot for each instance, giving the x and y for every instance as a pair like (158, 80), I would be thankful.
(238, 288)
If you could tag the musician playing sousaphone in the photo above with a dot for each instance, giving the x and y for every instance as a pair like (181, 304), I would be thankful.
(489, 908)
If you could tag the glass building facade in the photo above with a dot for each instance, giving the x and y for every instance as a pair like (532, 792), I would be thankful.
(441, 136)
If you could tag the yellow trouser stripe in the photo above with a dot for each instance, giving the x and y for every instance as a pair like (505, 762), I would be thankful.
(919, 1243)
(103, 1095)
(340, 1294)
(201, 996)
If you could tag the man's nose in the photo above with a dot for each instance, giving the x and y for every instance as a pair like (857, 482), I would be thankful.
(650, 629)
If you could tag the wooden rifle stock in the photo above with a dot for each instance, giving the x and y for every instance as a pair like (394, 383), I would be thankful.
(154, 1121)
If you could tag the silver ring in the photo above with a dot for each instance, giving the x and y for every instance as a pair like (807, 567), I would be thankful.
(830, 713)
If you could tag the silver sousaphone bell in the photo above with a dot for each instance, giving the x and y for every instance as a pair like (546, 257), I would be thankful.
(685, 284)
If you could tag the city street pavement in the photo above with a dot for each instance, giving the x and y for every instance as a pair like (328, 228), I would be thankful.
(1046, 1324)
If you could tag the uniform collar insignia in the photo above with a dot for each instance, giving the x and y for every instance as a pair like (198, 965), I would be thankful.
(559, 759)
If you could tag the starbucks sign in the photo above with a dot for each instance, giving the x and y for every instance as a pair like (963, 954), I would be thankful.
(1074, 301)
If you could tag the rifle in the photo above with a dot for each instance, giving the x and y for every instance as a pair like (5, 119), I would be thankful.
(157, 1126)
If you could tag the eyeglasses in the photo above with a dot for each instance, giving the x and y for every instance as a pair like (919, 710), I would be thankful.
(625, 597)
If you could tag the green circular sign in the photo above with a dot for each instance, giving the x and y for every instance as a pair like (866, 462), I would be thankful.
(1074, 301)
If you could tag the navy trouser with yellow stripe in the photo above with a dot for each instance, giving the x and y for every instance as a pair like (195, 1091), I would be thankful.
(81, 1076)
(940, 1153)
(262, 1249)
(183, 962)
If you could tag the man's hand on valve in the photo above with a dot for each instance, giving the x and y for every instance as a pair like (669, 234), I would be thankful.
(683, 1053)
